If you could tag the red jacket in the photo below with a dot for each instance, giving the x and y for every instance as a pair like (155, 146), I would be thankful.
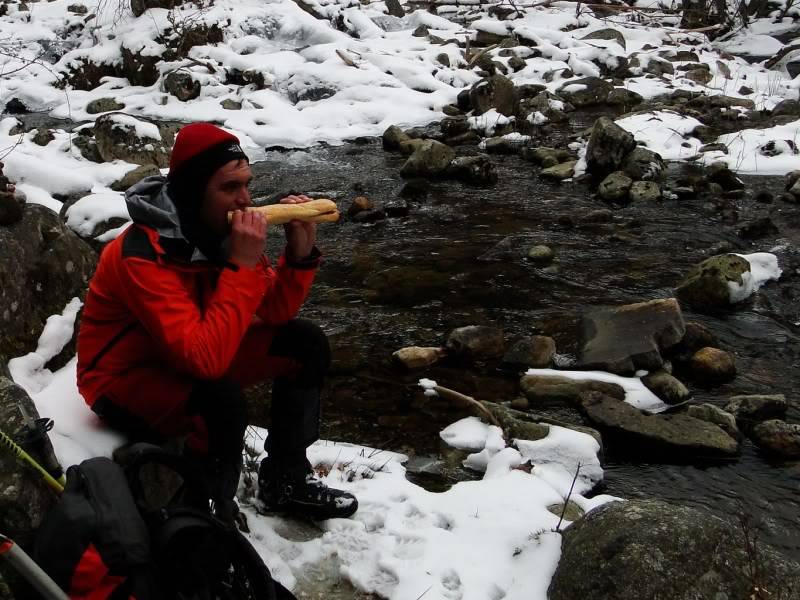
(144, 307)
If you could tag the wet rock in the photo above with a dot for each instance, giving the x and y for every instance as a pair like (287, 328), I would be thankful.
(478, 170)
(549, 389)
(615, 187)
(496, 92)
(231, 104)
(451, 110)
(396, 208)
(666, 387)
(696, 337)
(140, 6)
(570, 511)
(541, 254)
(182, 85)
(606, 34)
(453, 126)
(623, 97)
(118, 138)
(787, 107)
(43, 136)
(546, 157)
(15, 106)
(721, 174)
(475, 342)
(608, 145)
(712, 366)
(551, 106)
(43, 266)
(135, 176)
(706, 285)
(24, 497)
(501, 145)
(359, 204)
(778, 437)
(559, 172)
(651, 64)
(652, 549)
(644, 191)
(369, 216)
(393, 136)
(409, 146)
(589, 91)
(641, 164)
(140, 69)
(515, 63)
(87, 146)
(535, 351)
(516, 425)
(713, 414)
(101, 105)
(666, 437)
(505, 249)
(599, 215)
(752, 408)
(757, 229)
(416, 357)
(627, 338)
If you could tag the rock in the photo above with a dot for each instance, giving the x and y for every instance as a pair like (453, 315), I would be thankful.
(475, 342)
(666, 387)
(515, 424)
(706, 285)
(77, 9)
(606, 34)
(662, 436)
(549, 389)
(101, 105)
(140, 6)
(43, 136)
(416, 357)
(764, 197)
(359, 204)
(182, 85)
(535, 351)
(695, 338)
(421, 31)
(231, 104)
(409, 146)
(15, 106)
(370, 216)
(393, 136)
(787, 107)
(451, 110)
(478, 170)
(623, 97)
(644, 191)
(608, 145)
(496, 92)
(715, 147)
(24, 497)
(721, 174)
(599, 215)
(713, 414)
(140, 69)
(778, 437)
(396, 208)
(641, 164)
(712, 366)
(701, 76)
(118, 138)
(87, 146)
(651, 64)
(541, 254)
(570, 511)
(134, 176)
(589, 91)
(43, 266)
(453, 126)
(627, 338)
(544, 156)
(559, 172)
(394, 8)
(757, 407)
(515, 63)
(551, 106)
(757, 229)
(12, 205)
(85, 74)
(615, 187)
(641, 549)
(256, 79)
(463, 100)
(501, 145)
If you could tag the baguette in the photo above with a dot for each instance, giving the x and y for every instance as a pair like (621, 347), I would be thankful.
(315, 211)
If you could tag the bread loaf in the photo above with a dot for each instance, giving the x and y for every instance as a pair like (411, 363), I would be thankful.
(315, 211)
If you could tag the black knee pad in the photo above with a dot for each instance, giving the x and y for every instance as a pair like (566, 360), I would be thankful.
(305, 342)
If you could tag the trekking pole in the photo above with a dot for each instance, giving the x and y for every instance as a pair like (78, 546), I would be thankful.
(25, 566)
(5, 440)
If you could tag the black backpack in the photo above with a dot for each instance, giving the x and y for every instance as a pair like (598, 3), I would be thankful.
(115, 535)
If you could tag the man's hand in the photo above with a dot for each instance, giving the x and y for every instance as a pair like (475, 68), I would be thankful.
(248, 236)
(300, 235)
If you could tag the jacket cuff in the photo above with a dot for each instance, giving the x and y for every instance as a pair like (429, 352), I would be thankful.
(309, 262)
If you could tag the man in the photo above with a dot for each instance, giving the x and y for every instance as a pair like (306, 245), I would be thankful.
(185, 310)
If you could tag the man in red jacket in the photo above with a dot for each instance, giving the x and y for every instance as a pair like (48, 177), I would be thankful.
(185, 310)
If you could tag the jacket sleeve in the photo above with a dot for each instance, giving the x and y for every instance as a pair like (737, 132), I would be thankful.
(201, 343)
(287, 289)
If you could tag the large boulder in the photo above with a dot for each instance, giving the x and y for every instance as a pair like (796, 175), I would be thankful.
(123, 137)
(642, 164)
(589, 91)
(707, 285)
(627, 338)
(477, 170)
(666, 437)
(615, 187)
(496, 92)
(24, 497)
(43, 265)
(12, 205)
(753, 408)
(548, 389)
(778, 437)
(431, 158)
(140, 68)
(535, 351)
(651, 549)
(608, 145)
(182, 85)
(476, 342)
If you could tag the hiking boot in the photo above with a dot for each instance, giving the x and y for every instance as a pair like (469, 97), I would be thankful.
(305, 496)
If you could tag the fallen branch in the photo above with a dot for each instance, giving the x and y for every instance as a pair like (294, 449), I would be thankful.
(782, 53)
(467, 402)
(347, 60)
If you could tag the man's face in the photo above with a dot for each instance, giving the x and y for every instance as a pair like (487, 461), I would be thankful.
(226, 191)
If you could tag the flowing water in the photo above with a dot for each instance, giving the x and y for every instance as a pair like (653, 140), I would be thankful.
(409, 280)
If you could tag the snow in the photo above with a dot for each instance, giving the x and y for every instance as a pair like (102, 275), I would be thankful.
(770, 151)
(90, 211)
(763, 268)
(665, 132)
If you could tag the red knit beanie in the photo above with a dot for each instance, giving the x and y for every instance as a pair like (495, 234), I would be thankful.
(200, 141)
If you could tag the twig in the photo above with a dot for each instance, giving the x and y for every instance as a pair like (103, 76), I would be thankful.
(467, 401)
(347, 60)
(566, 501)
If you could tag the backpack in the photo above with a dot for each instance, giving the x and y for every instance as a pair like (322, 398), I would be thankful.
(115, 536)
